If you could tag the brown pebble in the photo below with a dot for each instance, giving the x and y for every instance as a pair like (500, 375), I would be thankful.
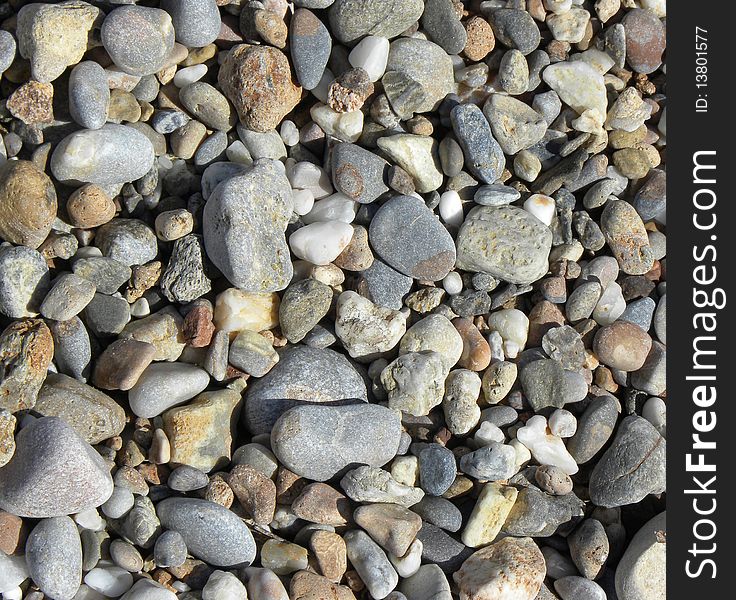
(13, 533)
(271, 28)
(349, 91)
(288, 485)
(310, 586)
(198, 327)
(220, 492)
(331, 555)
(357, 255)
(391, 526)
(543, 317)
(476, 354)
(122, 363)
(645, 40)
(124, 106)
(90, 206)
(400, 181)
(622, 345)
(323, 504)
(32, 103)
(480, 38)
(255, 491)
(553, 480)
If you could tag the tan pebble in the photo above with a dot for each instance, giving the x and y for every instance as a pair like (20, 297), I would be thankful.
(220, 492)
(271, 28)
(622, 345)
(122, 363)
(255, 492)
(476, 354)
(323, 504)
(480, 38)
(32, 103)
(123, 107)
(330, 553)
(174, 224)
(185, 140)
(357, 255)
(13, 533)
(310, 586)
(90, 206)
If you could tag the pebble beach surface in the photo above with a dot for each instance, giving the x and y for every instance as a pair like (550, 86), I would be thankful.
(332, 300)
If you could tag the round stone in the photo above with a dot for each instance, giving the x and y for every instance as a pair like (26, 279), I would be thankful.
(196, 22)
(89, 95)
(622, 345)
(27, 203)
(645, 40)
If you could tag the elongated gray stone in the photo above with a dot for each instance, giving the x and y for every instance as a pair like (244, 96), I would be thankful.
(163, 385)
(371, 563)
(110, 155)
(244, 223)
(310, 44)
(54, 557)
(483, 155)
(89, 95)
(317, 442)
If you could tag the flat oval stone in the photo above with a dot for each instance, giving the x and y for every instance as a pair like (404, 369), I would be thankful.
(89, 95)
(54, 557)
(440, 20)
(317, 442)
(627, 237)
(303, 375)
(483, 155)
(110, 155)
(595, 428)
(244, 223)
(409, 237)
(211, 532)
(645, 40)
(53, 472)
(358, 173)
(310, 44)
(350, 20)
(506, 242)
(163, 385)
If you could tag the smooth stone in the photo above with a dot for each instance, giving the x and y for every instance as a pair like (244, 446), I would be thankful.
(384, 285)
(441, 22)
(440, 512)
(222, 584)
(595, 428)
(252, 353)
(579, 86)
(106, 273)
(317, 442)
(513, 73)
(441, 549)
(303, 305)
(407, 235)
(645, 40)
(72, 348)
(54, 557)
(244, 223)
(418, 156)
(371, 563)
(483, 154)
(54, 472)
(515, 29)
(622, 345)
(13, 572)
(211, 532)
(111, 155)
(164, 385)
(515, 124)
(489, 514)
(640, 312)
(68, 295)
(147, 589)
(428, 583)
(506, 242)
(196, 22)
(641, 572)
(589, 548)
(138, 39)
(94, 415)
(426, 63)
(434, 332)
(303, 375)
(106, 316)
(207, 105)
(371, 55)
(321, 243)
(119, 503)
(170, 550)
(633, 466)
(7, 50)
(310, 44)
(89, 95)
(495, 195)
(490, 463)
(344, 126)
(358, 173)
(24, 281)
(437, 470)
(350, 20)
(573, 587)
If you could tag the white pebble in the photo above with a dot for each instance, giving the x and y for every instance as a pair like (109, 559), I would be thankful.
(563, 423)
(90, 519)
(523, 456)
(495, 341)
(546, 449)
(611, 305)
(222, 585)
(321, 243)
(371, 54)
(308, 176)
(558, 6)
(109, 581)
(323, 87)
(189, 75)
(303, 201)
(238, 153)
(542, 207)
(513, 325)
(346, 126)
(408, 564)
(13, 594)
(337, 207)
(405, 470)
(289, 133)
(140, 308)
(655, 411)
(13, 572)
(264, 584)
(453, 283)
(451, 208)
(488, 432)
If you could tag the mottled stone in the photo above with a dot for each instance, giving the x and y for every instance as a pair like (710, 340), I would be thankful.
(26, 350)
(483, 155)
(54, 557)
(27, 203)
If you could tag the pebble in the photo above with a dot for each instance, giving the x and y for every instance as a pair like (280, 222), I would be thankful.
(330, 552)
(589, 548)
(626, 236)
(579, 86)
(415, 382)
(345, 126)
(523, 240)
(515, 29)
(371, 563)
(126, 556)
(310, 45)
(418, 156)
(645, 40)
(385, 286)
(207, 105)
(13, 572)
(370, 435)
(111, 155)
(54, 557)
(119, 503)
(578, 587)
(163, 385)
(106, 273)
(411, 562)
(490, 463)
(371, 55)
(641, 571)
(27, 203)
(391, 526)
(366, 329)
(632, 467)
(428, 582)
(49, 54)
(462, 413)
(303, 305)
(257, 80)
(595, 427)
(108, 581)
(210, 531)
(437, 470)
(441, 22)
(489, 513)
(371, 484)
(622, 345)
(89, 95)
(321, 243)
(406, 235)
(351, 20)
(222, 584)
(196, 22)
(483, 154)
(68, 295)
(545, 448)
(7, 50)
(53, 472)
(246, 248)
(546, 383)
(147, 589)
(358, 173)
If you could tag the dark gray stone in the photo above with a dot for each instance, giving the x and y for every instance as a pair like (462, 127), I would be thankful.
(437, 469)
(440, 21)
(440, 512)
(185, 278)
(196, 22)
(384, 285)
(483, 154)
(515, 29)
(358, 173)
(310, 45)
(303, 305)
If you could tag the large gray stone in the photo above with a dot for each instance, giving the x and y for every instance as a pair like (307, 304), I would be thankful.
(54, 557)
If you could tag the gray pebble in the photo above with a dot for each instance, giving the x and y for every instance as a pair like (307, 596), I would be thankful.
(404, 93)
(371, 563)
(111, 155)
(24, 281)
(210, 531)
(595, 427)
(515, 29)
(440, 512)
(660, 319)
(317, 442)
(632, 467)
(68, 295)
(54, 557)
(640, 312)
(208, 105)
(546, 383)
(483, 154)
(310, 45)
(262, 144)
(7, 50)
(303, 305)
(565, 345)
(244, 223)
(106, 316)
(429, 582)
(106, 273)
(168, 120)
(490, 463)
(185, 278)
(651, 198)
(138, 39)
(440, 21)
(577, 588)
(451, 157)
(496, 194)
(72, 348)
(187, 479)
(91, 549)
(515, 124)
(196, 22)
(89, 95)
(147, 89)
(170, 550)
(141, 525)
(441, 549)
(437, 469)
(350, 20)
(537, 514)
(358, 173)
(581, 302)
(384, 285)
(53, 472)
(163, 385)
(126, 556)
(252, 353)
(513, 73)
(119, 503)
(302, 375)
(506, 242)
(212, 149)
(408, 236)
(589, 548)
(651, 378)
